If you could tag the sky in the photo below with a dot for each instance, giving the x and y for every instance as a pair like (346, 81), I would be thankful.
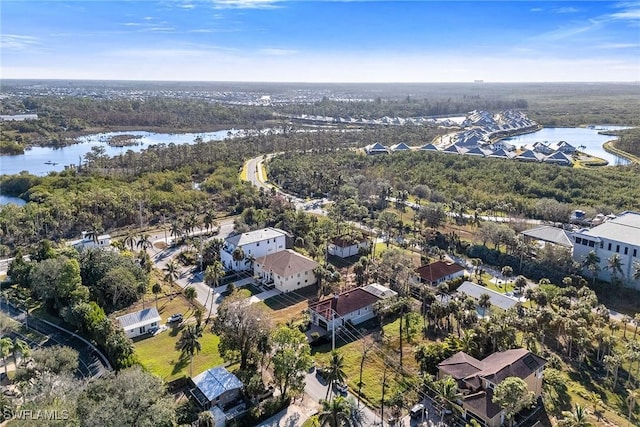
(321, 41)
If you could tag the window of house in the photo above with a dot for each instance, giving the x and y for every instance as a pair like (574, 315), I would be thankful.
(618, 248)
(635, 252)
(258, 244)
(578, 240)
(609, 247)
(601, 245)
(626, 250)
(592, 244)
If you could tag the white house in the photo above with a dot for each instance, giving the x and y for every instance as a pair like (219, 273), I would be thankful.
(354, 306)
(344, 247)
(286, 270)
(256, 243)
(617, 235)
(140, 322)
(88, 242)
(216, 387)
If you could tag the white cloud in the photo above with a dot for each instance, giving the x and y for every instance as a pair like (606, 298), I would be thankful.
(245, 4)
(17, 42)
(567, 9)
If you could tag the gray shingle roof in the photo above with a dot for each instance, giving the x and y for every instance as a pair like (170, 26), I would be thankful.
(286, 263)
(550, 234)
(255, 236)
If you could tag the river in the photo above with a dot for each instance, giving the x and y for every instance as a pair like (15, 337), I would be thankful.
(42, 160)
(586, 140)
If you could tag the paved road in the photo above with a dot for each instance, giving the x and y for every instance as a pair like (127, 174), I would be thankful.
(90, 362)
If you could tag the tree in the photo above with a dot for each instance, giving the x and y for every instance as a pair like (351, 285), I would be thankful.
(579, 417)
(291, 359)
(512, 395)
(5, 349)
(156, 289)
(190, 293)
(189, 343)
(129, 240)
(171, 272)
(520, 283)
(484, 302)
(632, 398)
(56, 359)
(614, 265)
(241, 326)
(335, 372)
(335, 412)
(591, 262)
(133, 397)
(507, 272)
(636, 271)
(144, 241)
(446, 391)
(58, 282)
(237, 256)
(19, 347)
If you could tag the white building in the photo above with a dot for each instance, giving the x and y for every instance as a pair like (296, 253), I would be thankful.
(140, 322)
(88, 242)
(345, 247)
(618, 235)
(354, 306)
(286, 270)
(256, 243)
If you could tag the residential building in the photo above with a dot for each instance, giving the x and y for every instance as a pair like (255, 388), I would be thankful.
(558, 158)
(254, 244)
(478, 378)
(89, 242)
(616, 235)
(354, 306)
(286, 270)
(563, 147)
(216, 387)
(496, 299)
(347, 246)
(400, 147)
(140, 322)
(376, 148)
(548, 234)
(438, 272)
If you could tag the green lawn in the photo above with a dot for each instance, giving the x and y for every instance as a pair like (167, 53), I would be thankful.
(159, 355)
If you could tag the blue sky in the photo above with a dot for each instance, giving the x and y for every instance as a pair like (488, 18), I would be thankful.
(321, 41)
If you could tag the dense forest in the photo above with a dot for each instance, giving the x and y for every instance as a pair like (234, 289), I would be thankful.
(481, 183)
(629, 141)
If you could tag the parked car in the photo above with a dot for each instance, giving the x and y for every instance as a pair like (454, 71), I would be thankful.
(177, 317)
(152, 330)
(340, 388)
(417, 411)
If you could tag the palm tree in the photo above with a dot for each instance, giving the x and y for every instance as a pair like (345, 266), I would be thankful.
(507, 272)
(484, 302)
(176, 230)
(21, 347)
(130, 240)
(171, 272)
(156, 289)
(335, 372)
(237, 255)
(579, 417)
(447, 392)
(632, 399)
(591, 262)
(205, 419)
(250, 260)
(5, 349)
(188, 343)
(625, 321)
(636, 271)
(190, 293)
(144, 241)
(614, 264)
(212, 275)
(209, 220)
(335, 412)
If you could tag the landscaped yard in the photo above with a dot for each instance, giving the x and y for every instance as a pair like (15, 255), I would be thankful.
(159, 355)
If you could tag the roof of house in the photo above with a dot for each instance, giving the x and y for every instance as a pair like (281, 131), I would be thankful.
(286, 263)
(501, 153)
(494, 368)
(375, 147)
(550, 234)
(255, 236)
(429, 147)
(497, 299)
(380, 291)
(454, 149)
(346, 241)
(139, 318)
(624, 228)
(216, 381)
(530, 156)
(400, 147)
(437, 270)
(346, 302)
(558, 157)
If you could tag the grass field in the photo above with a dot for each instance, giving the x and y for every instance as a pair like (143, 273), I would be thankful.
(159, 355)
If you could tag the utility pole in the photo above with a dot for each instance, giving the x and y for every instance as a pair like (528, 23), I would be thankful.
(140, 212)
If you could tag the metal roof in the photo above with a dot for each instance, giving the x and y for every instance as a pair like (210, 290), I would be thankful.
(139, 318)
(497, 299)
(255, 236)
(550, 234)
(216, 381)
(625, 228)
